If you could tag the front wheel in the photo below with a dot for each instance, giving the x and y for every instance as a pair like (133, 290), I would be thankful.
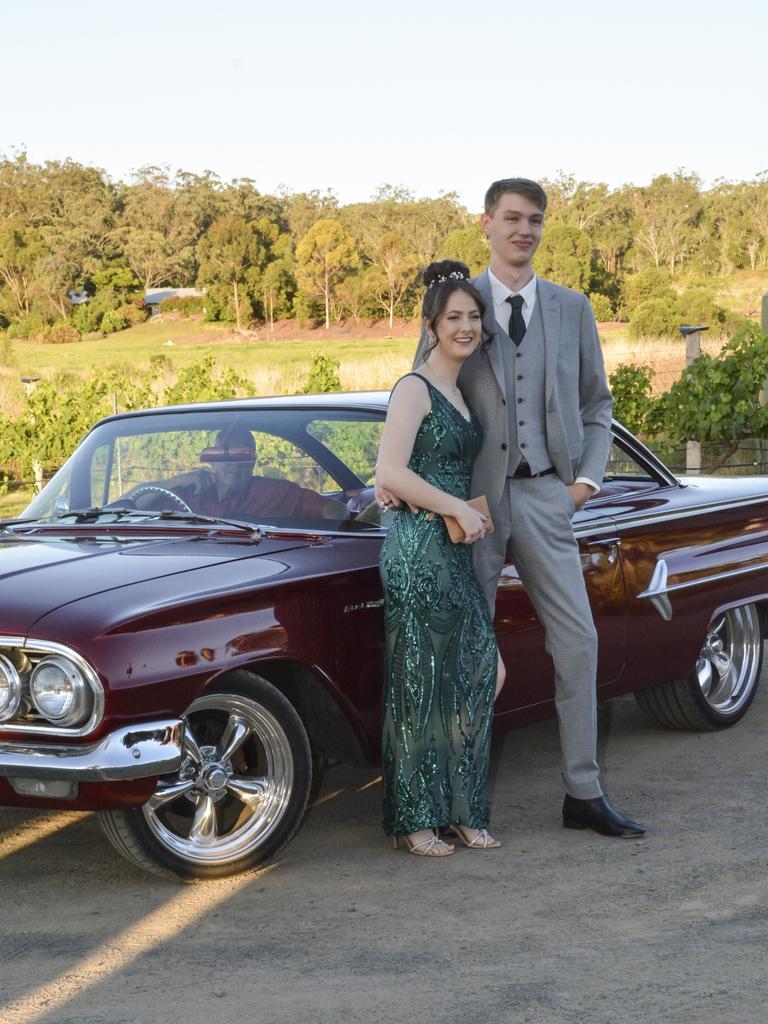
(239, 795)
(724, 681)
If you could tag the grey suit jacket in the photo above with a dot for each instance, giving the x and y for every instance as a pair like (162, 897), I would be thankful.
(578, 401)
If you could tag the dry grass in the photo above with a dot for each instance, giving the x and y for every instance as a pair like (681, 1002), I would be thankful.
(666, 356)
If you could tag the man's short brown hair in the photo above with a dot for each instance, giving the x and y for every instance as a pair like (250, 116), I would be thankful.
(522, 186)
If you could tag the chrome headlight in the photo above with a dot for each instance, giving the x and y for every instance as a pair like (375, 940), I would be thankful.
(60, 691)
(10, 689)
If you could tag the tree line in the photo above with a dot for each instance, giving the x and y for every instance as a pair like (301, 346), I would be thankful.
(647, 254)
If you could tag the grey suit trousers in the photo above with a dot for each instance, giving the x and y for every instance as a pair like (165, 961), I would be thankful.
(533, 529)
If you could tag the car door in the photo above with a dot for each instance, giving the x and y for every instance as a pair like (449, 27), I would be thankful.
(530, 676)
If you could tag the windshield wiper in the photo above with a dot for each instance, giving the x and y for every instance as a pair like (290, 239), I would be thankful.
(120, 512)
(194, 517)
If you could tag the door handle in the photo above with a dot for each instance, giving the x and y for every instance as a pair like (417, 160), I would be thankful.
(612, 543)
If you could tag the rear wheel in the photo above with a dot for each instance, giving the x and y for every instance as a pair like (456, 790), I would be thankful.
(724, 681)
(239, 795)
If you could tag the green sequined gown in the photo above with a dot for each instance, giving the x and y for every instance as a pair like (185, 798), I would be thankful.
(441, 648)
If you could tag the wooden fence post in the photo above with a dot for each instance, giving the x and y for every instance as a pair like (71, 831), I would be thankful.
(692, 337)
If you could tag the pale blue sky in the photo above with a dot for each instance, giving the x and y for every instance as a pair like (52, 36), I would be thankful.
(437, 96)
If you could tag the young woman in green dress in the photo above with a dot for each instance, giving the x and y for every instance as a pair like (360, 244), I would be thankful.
(443, 668)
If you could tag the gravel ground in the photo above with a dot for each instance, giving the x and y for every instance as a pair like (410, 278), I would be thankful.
(556, 927)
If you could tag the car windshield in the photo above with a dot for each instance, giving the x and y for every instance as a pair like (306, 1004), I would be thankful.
(294, 468)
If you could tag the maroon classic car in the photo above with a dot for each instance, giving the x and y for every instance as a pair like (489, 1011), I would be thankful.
(191, 623)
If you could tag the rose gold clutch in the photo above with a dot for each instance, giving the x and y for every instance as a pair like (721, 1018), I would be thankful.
(455, 532)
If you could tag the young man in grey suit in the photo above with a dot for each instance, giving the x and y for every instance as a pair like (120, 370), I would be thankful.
(542, 397)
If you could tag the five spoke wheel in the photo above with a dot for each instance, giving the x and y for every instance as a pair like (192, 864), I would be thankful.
(240, 791)
(724, 681)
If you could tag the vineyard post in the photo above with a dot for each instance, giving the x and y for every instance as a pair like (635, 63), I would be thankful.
(692, 337)
(37, 466)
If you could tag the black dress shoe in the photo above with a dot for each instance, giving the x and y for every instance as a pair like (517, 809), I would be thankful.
(598, 815)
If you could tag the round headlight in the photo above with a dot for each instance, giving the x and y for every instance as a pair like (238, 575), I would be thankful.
(10, 689)
(60, 692)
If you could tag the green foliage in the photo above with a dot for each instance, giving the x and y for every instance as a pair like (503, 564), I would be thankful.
(60, 333)
(653, 283)
(218, 305)
(306, 308)
(468, 245)
(354, 296)
(133, 309)
(28, 326)
(631, 387)
(184, 304)
(202, 383)
(60, 410)
(697, 307)
(565, 256)
(601, 307)
(324, 256)
(115, 278)
(718, 399)
(654, 318)
(112, 321)
(84, 319)
(323, 375)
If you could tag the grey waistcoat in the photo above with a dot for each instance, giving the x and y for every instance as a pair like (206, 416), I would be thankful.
(526, 408)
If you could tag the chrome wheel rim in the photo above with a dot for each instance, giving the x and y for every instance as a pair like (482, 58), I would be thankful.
(729, 662)
(233, 787)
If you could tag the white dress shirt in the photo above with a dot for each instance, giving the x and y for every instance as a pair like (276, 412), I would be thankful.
(501, 309)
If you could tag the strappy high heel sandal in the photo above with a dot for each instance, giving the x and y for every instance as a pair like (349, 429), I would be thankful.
(483, 840)
(432, 846)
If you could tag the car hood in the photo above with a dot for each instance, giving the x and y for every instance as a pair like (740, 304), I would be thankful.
(40, 574)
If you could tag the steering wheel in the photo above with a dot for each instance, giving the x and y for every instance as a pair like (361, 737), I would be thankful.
(154, 489)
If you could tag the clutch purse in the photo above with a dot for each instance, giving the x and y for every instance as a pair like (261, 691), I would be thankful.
(455, 532)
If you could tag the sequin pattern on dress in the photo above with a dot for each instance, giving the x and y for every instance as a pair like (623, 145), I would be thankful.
(441, 648)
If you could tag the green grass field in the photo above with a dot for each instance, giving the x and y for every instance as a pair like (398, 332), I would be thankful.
(193, 340)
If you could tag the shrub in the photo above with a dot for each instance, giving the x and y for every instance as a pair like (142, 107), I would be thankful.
(60, 333)
(85, 319)
(323, 375)
(133, 310)
(697, 307)
(718, 398)
(601, 306)
(112, 321)
(654, 283)
(28, 327)
(631, 386)
(653, 318)
(184, 304)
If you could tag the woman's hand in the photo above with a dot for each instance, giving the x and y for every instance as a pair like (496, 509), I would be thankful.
(472, 523)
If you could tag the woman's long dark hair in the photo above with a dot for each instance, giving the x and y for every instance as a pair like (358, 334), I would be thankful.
(441, 280)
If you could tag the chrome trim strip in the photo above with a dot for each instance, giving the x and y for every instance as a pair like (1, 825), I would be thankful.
(131, 752)
(658, 583)
(648, 519)
(48, 647)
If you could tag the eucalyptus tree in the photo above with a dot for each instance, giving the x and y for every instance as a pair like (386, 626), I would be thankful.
(324, 256)
(233, 253)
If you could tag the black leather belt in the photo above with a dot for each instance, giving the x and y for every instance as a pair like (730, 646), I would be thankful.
(523, 472)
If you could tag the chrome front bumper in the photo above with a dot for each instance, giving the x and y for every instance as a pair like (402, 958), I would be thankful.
(132, 752)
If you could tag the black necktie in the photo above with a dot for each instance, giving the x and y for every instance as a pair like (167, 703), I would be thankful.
(516, 322)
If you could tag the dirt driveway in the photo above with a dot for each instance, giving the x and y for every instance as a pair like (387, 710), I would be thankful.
(557, 927)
